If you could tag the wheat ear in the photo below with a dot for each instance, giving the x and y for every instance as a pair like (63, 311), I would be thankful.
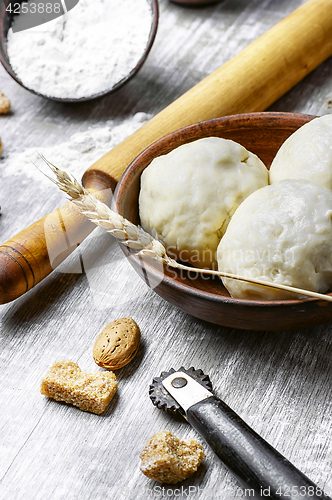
(139, 240)
(100, 214)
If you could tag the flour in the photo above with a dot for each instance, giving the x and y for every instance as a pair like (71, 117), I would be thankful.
(75, 155)
(85, 52)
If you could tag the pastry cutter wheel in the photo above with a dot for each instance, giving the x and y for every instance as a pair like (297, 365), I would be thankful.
(255, 463)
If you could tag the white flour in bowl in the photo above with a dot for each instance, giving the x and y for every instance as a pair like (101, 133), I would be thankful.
(85, 52)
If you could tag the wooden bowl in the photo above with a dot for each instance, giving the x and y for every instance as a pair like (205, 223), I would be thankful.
(205, 297)
(5, 23)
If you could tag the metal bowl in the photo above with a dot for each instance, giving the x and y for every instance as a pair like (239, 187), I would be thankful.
(202, 296)
(5, 23)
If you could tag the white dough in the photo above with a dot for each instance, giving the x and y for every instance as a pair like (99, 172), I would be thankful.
(188, 196)
(306, 154)
(282, 233)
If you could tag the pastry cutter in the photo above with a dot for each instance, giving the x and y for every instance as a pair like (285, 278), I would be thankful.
(262, 470)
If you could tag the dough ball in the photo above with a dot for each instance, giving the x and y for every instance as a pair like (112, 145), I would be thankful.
(188, 196)
(282, 233)
(306, 154)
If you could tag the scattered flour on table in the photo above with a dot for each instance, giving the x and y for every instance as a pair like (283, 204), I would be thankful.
(75, 155)
(84, 52)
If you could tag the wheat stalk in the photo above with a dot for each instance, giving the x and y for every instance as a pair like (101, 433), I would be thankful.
(139, 240)
(100, 214)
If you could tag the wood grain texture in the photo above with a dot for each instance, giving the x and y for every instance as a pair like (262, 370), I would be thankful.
(279, 382)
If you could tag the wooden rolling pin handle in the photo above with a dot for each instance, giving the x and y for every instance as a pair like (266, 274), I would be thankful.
(251, 81)
(30, 256)
(97, 180)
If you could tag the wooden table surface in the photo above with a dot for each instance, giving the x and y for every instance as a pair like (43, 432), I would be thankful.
(279, 382)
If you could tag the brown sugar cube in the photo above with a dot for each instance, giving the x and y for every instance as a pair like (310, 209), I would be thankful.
(167, 459)
(66, 382)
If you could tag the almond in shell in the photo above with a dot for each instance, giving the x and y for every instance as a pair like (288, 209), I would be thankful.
(117, 344)
(4, 104)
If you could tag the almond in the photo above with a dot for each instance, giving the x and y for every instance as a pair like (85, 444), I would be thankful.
(117, 344)
(4, 104)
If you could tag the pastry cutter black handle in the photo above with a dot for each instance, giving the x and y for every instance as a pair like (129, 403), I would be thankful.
(252, 460)
(261, 469)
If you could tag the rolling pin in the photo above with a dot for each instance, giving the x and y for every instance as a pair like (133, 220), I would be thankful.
(249, 82)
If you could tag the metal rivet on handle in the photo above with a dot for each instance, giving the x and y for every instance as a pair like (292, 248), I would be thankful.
(179, 382)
